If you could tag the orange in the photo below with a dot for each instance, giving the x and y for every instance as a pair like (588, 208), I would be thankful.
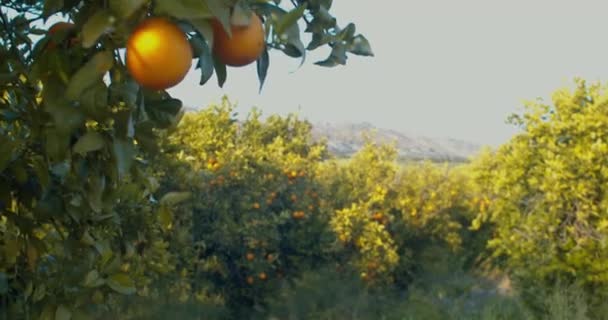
(158, 54)
(298, 215)
(377, 216)
(262, 276)
(250, 280)
(244, 46)
(250, 256)
(256, 205)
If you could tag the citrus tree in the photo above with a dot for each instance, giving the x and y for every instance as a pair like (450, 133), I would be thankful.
(546, 192)
(253, 217)
(82, 224)
(387, 216)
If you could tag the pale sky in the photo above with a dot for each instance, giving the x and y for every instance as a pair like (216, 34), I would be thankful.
(443, 68)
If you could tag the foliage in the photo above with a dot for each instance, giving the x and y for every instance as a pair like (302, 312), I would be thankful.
(254, 215)
(545, 189)
(81, 229)
(388, 215)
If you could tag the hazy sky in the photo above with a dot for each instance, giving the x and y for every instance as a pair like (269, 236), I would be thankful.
(442, 68)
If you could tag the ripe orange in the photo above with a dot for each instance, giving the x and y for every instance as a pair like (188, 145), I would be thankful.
(250, 256)
(377, 216)
(244, 46)
(250, 280)
(298, 215)
(256, 205)
(61, 27)
(158, 54)
(262, 276)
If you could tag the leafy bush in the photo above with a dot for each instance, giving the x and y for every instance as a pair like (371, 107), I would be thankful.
(547, 195)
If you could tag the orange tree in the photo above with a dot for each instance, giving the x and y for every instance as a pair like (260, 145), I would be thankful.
(253, 217)
(388, 215)
(79, 229)
(546, 192)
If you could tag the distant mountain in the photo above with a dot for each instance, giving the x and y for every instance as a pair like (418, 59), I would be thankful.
(343, 140)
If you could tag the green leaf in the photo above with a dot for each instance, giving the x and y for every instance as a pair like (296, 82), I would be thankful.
(7, 154)
(123, 152)
(183, 9)
(360, 46)
(19, 172)
(51, 7)
(348, 32)
(205, 62)
(164, 112)
(94, 101)
(337, 56)
(91, 141)
(290, 19)
(100, 23)
(125, 8)
(81, 315)
(263, 63)
(48, 312)
(121, 283)
(319, 39)
(221, 11)
(90, 73)
(145, 137)
(42, 171)
(173, 198)
(241, 15)
(220, 71)
(165, 218)
(124, 91)
(322, 20)
(96, 187)
(63, 313)
(39, 292)
(293, 44)
(124, 125)
(93, 280)
(3, 283)
(203, 27)
(104, 250)
(57, 144)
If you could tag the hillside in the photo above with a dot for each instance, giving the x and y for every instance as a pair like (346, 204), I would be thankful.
(345, 139)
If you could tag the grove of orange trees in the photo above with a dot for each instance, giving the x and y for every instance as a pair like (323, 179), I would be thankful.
(115, 203)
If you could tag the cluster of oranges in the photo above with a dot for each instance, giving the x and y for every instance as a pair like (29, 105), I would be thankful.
(159, 54)
(250, 256)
